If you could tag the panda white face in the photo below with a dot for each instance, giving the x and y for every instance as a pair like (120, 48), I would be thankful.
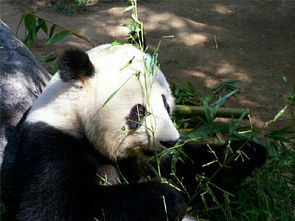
(121, 108)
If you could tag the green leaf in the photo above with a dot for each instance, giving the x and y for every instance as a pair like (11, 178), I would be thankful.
(127, 64)
(141, 120)
(210, 111)
(83, 38)
(131, 27)
(47, 58)
(59, 37)
(282, 131)
(277, 116)
(135, 19)
(223, 99)
(20, 22)
(30, 38)
(128, 8)
(115, 92)
(30, 22)
(52, 29)
(226, 85)
(117, 43)
(280, 113)
(202, 131)
(291, 87)
(30, 26)
(278, 138)
(155, 57)
(43, 25)
(53, 69)
(235, 125)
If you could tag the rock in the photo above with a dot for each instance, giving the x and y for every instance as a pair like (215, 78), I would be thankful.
(22, 79)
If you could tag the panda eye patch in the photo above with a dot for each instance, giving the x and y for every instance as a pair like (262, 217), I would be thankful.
(166, 105)
(137, 113)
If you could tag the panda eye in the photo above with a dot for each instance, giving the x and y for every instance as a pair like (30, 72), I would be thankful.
(166, 105)
(137, 113)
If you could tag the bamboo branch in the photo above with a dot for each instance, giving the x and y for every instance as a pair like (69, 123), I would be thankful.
(186, 110)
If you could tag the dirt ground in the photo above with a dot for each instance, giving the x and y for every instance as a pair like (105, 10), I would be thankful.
(205, 42)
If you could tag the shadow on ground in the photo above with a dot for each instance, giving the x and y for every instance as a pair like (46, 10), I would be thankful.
(205, 42)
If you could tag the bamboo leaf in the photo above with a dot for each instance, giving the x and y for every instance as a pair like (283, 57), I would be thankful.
(135, 19)
(128, 8)
(277, 116)
(223, 99)
(131, 27)
(47, 58)
(43, 25)
(140, 122)
(285, 79)
(30, 26)
(53, 69)
(115, 92)
(20, 22)
(30, 22)
(235, 125)
(117, 43)
(82, 37)
(127, 64)
(280, 113)
(59, 37)
(52, 29)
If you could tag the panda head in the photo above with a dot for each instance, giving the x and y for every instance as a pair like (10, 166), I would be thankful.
(114, 96)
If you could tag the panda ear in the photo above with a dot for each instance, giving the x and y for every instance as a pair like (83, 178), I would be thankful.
(74, 65)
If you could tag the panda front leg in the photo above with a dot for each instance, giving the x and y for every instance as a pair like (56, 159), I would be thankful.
(56, 179)
(65, 196)
(149, 201)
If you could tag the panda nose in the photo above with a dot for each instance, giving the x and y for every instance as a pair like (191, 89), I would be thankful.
(168, 143)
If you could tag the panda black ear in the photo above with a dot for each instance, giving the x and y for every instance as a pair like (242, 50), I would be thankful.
(75, 64)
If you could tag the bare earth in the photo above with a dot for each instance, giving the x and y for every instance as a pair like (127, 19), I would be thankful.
(205, 42)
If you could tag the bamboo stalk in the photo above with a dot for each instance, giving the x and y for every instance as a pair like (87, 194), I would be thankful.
(186, 110)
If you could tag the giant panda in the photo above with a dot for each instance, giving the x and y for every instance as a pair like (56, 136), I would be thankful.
(100, 118)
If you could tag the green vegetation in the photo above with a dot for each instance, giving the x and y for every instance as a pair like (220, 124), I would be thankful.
(270, 193)
(33, 24)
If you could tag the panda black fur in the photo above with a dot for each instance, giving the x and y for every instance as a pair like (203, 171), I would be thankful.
(74, 136)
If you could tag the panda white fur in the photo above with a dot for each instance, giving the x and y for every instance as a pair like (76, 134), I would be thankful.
(76, 106)
(93, 121)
